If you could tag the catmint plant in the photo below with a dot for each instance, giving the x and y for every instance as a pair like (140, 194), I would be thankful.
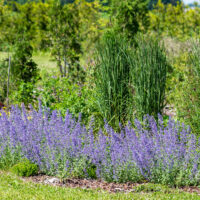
(151, 151)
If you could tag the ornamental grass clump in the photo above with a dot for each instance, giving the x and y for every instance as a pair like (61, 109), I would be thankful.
(149, 75)
(151, 151)
(113, 79)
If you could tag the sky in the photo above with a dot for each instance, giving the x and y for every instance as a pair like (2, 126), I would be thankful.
(190, 1)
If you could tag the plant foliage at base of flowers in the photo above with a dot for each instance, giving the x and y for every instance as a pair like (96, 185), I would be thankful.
(25, 168)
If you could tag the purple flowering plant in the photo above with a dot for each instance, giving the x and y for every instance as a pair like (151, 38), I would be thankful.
(149, 151)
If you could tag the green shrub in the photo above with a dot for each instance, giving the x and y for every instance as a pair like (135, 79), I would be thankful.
(23, 67)
(25, 168)
(23, 74)
(149, 76)
(26, 93)
(61, 94)
(188, 90)
(129, 17)
(91, 171)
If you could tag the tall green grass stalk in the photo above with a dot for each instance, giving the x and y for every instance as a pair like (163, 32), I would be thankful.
(112, 77)
(149, 76)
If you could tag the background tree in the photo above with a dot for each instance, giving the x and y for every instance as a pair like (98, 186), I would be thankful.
(65, 37)
(23, 67)
(129, 16)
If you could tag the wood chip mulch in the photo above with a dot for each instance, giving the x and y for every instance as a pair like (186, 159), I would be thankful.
(96, 184)
(191, 189)
(84, 184)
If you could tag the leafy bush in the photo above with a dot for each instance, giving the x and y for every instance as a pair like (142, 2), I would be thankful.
(23, 74)
(188, 90)
(26, 93)
(61, 94)
(129, 17)
(65, 36)
(176, 21)
(149, 76)
(23, 66)
(150, 152)
(25, 168)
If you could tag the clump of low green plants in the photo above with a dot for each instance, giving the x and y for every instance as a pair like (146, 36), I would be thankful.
(25, 168)
(59, 93)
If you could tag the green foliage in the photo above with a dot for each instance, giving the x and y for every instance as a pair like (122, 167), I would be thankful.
(61, 94)
(152, 188)
(23, 66)
(152, 3)
(25, 168)
(187, 94)
(112, 78)
(73, 27)
(129, 16)
(65, 36)
(149, 76)
(3, 80)
(78, 169)
(9, 158)
(23, 74)
(175, 21)
(26, 92)
(42, 23)
(26, 24)
(91, 171)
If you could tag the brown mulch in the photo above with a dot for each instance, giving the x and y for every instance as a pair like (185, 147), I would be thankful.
(85, 184)
(191, 189)
(98, 184)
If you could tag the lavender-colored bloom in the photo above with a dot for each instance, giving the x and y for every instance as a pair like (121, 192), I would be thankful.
(62, 146)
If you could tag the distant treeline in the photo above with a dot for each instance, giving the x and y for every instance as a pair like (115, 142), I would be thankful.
(152, 3)
(62, 1)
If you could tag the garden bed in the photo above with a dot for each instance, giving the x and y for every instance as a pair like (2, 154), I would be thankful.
(155, 152)
(105, 186)
(83, 183)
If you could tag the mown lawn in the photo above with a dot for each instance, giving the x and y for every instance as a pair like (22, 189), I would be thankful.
(13, 188)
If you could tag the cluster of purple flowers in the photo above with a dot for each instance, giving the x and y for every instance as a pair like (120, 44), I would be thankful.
(150, 151)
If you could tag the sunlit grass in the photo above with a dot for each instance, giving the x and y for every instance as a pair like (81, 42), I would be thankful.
(44, 60)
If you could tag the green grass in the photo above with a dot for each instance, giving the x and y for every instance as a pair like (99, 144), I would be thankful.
(13, 188)
(44, 61)
(3, 55)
